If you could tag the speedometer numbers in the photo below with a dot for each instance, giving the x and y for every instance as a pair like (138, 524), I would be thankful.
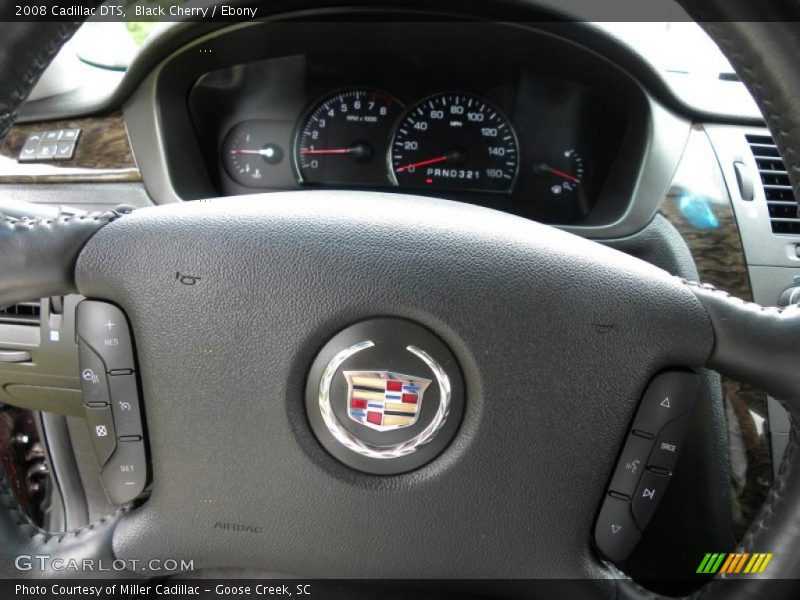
(454, 141)
(343, 139)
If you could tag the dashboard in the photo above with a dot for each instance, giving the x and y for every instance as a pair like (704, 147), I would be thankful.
(408, 110)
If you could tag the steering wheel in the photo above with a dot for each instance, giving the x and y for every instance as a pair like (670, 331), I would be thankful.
(553, 338)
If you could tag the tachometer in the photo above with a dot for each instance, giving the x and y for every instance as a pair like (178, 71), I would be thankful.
(455, 141)
(343, 139)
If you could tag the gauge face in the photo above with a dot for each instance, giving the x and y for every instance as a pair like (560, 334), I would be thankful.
(562, 174)
(343, 139)
(454, 141)
(248, 154)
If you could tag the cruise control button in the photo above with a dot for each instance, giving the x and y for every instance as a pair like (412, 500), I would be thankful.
(631, 465)
(668, 395)
(647, 497)
(125, 475)
(94, 381)
(101, 430)
(669, 443)
(616, 533)
(104, 328)
(125, 405)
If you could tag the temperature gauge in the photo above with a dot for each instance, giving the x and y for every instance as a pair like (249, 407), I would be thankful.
(249, 155)
(561, 175)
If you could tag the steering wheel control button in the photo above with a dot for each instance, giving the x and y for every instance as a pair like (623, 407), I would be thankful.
(616, 533)
(669, 394)
(104, 328)
(668, 444)
(125, 475)
(113, 411)
(94, 381)
(631, 465)
(648, 496)
(385, 396)
(647, 459)
(125, 405)
(102, 432)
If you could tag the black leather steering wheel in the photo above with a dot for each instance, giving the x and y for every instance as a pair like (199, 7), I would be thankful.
(518, 304)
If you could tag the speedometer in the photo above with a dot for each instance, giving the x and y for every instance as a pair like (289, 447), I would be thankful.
(454, 141)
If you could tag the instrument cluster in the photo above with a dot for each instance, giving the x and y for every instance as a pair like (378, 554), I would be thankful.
(490, 132)
(366, 137)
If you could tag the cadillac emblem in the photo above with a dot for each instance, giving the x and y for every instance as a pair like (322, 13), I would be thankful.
(384, 396)
(383, 400)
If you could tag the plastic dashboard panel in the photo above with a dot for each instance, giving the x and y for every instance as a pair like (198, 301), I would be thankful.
(175, 164)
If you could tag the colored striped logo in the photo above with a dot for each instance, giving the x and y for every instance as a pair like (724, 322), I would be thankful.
(384, 400)
(733, 563)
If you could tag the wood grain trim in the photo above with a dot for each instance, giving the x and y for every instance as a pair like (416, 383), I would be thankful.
(103, 153)
(717, 252)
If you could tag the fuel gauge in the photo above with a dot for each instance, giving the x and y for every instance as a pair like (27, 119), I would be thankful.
(563, 174)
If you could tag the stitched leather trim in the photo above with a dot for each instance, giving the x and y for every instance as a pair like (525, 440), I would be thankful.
(12, 511)
(37, 66)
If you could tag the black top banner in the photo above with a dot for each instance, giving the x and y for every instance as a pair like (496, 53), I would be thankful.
(242, 10)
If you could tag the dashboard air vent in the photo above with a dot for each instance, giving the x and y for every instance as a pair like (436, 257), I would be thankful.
(777, 187)
(24, 313)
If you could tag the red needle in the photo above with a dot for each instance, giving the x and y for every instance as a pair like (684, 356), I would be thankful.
(241, 151)
(422, 163)
(562, 174)
(328, 151)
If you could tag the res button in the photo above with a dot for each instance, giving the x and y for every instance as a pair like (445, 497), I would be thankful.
(104, 328)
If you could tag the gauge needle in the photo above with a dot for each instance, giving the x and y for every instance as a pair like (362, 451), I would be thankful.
(560, 173)
(327, 151)
(262, 151)
(422, 163)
